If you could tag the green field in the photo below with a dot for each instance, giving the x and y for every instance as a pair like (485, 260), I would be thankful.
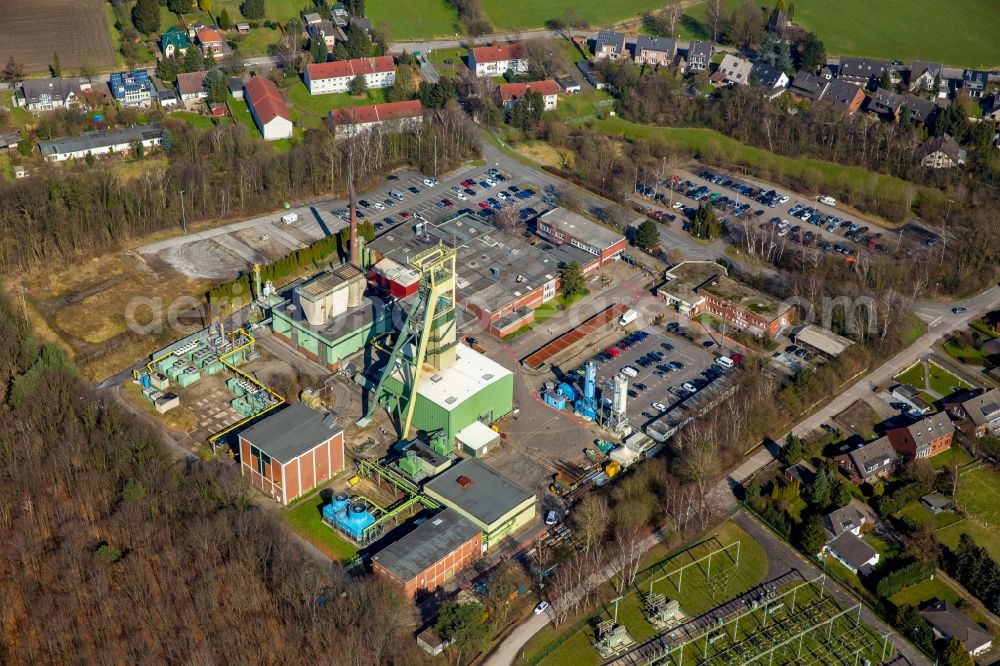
(575, 649)
(959, 33)
(304, 517)
(258, 40)
(275, 10)
(512, 14)
(414, 19)
(311, 110)
(979, 496)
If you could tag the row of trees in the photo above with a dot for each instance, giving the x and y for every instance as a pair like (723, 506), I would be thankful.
(223, 171)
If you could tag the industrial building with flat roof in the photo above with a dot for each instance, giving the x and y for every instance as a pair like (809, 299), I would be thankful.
(473, 388)
(694, 287)
(291, 452)
(431, 555)
(563, 226)
(496, 504)
(328, 317)
(501, 279)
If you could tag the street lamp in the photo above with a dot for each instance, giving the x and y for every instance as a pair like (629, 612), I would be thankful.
(184, 225)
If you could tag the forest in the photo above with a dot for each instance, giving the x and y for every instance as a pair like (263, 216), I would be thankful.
(116, 552)
(224, 173)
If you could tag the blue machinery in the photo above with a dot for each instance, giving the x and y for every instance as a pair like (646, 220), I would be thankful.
(586, 406)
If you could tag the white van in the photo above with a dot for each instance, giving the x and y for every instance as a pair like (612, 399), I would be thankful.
(629, 371)
(288, 218)
(627, 318)
(829, 201)
(725, 362)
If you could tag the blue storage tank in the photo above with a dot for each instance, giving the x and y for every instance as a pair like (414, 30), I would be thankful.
(354, 519)
(145, 380)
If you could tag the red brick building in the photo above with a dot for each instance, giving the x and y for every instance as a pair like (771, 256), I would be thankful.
(291, 452)
(560, 226)
(431, 555)
(925, 438)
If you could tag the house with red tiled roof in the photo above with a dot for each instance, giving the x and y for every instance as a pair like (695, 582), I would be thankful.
(549, 90)
(268, 109)
(498, 59)
(211, 42)
(335, 77)
(352, 120)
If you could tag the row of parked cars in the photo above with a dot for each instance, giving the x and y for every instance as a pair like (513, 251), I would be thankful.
(770, 198)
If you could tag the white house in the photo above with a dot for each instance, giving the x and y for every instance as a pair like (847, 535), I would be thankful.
(549, 90)
(101, 142)
(335, 77)
(352, 120)
(267, 109)
(732, 71)
(497, 60)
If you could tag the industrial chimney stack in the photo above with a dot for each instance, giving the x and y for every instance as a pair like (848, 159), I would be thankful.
(355, 259)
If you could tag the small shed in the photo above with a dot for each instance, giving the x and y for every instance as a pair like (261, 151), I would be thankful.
(217, 110)
(477, 439)
(936, 503)
(235, 85)
(553, 399)
(243, 28)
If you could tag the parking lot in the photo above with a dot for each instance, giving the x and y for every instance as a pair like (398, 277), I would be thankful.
(660, 380)
(225, 252)
(795, 219)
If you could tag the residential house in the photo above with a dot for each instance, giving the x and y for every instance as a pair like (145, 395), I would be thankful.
(549, 90)
(699, 56)
(853, 553)
(769, 77)
(132, 88)
(843, 96)
(941, 152)
(807, 86)
(327, 31)
(865, 72)
(936, 503)
(658, 51)
(174, 42)
(191, 86)
(991, 108)
(973, 83)
(924, 438)
(291, 451)
(732, 71)
(352, 120)
(925, 76)
(498, 59)
(803, 472)
(843, 520)
(948, 622)
(976, 413)
(9, 138)
(886, 104)
(311, 18)
(694, 287)
(47, 94)
(167, 97)
(101, 142)
(919, 109)
(211, 42)
(335, 77)
(268, 109)
(869, 462)
(609, 44)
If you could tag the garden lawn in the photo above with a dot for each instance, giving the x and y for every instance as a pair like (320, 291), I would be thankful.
(512, 14)
(19, 117)
(955, 348)
(414, 19)
(238, 108)
(916, 595)
(580, 105)
(312, 110)
(195, 120)
(305, 518)
(944, 458)
(979, 496)
(258, 40)
(714, 146)
(914, 376)
(943, 382)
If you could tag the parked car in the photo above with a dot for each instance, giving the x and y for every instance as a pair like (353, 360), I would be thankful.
(541, 607)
